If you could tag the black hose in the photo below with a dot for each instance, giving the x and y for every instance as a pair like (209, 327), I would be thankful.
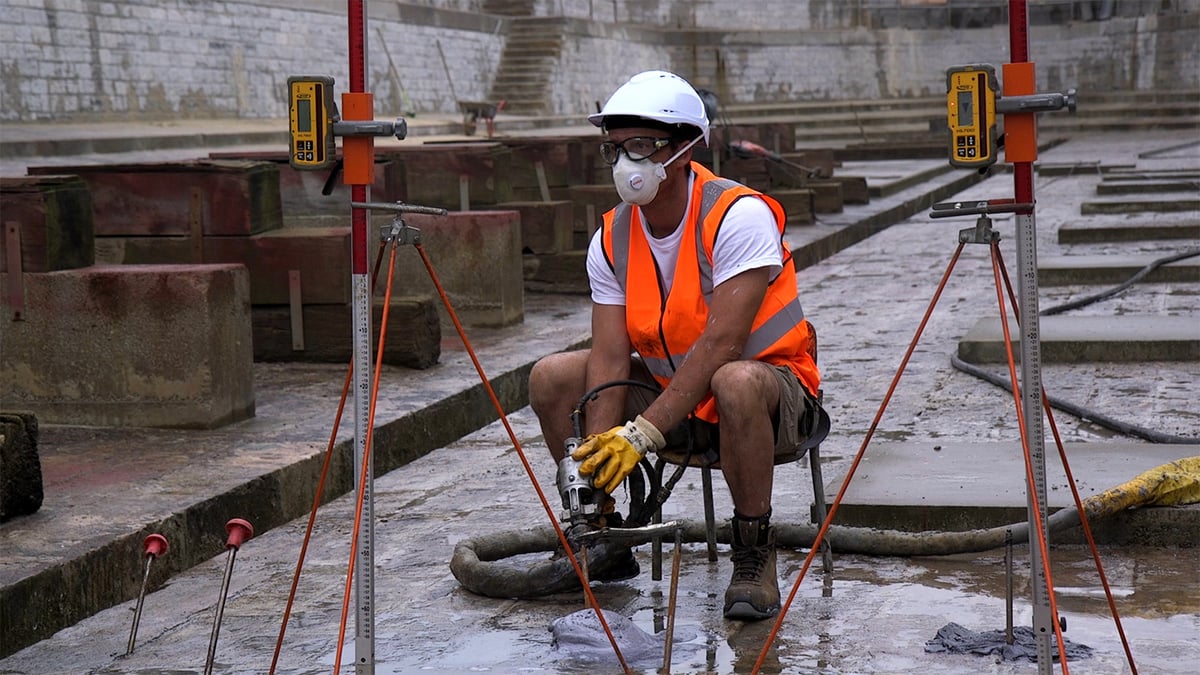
(1077, 410)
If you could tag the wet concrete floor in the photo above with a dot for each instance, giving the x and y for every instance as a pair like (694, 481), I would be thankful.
(874, 617)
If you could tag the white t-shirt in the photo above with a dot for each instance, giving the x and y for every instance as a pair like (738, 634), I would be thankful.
(748, 239)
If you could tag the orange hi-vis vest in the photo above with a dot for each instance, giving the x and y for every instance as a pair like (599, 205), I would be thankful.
(663, 329)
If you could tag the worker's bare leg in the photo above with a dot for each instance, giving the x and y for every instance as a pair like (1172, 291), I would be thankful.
(556, 384)
(747, 394)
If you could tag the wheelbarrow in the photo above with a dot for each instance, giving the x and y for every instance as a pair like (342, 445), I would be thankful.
(473, 111)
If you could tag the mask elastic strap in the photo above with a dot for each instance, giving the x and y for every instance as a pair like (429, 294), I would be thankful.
(681, 151)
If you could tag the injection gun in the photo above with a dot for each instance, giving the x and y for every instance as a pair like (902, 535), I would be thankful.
(580, 500)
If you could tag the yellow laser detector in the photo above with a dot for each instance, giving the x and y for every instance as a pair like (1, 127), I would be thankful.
(971, 113)
(312, 112)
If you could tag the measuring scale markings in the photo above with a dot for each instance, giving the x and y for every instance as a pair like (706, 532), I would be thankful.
(1031, 361)
(364, 645)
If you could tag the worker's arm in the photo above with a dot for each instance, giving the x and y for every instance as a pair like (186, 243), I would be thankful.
(735, 302)
(611, 455)
(609, 361)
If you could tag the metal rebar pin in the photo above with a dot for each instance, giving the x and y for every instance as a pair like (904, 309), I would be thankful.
(675, 559)
(154, 546)
(239, 531)
(1008, 587)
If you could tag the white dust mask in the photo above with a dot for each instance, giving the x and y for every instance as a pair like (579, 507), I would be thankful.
(637, 181)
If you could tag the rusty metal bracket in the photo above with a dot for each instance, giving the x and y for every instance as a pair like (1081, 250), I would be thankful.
(196, 226)
(296, 309)
(16, 274)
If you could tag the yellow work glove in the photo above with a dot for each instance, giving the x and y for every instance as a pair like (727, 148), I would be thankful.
(610, 456)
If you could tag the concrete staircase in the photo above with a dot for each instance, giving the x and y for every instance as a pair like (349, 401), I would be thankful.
(531, 55)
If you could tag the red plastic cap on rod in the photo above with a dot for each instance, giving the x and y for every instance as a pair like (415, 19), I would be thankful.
(155, 545)
(239, 531)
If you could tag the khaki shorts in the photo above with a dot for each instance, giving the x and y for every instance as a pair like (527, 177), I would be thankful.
(800, 421)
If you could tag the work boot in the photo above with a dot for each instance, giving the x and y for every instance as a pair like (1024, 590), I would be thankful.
(753, 591)
(606, 560)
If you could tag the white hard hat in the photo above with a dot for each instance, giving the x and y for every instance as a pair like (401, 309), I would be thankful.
(656, 95)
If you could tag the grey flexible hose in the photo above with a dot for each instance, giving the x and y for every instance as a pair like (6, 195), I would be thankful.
(478, 564)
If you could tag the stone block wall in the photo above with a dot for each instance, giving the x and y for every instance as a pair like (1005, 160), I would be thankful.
(163, 59)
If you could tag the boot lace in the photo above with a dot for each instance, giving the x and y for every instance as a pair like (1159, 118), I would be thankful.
(748, 562)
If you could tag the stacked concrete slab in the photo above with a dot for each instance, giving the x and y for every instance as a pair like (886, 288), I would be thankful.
(229, 210)
(165, 346)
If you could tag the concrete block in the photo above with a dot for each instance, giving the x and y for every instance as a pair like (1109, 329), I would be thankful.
(132, 345)
(783, 175)
(220, 197)
(477, 258)
(1085, 339)
(854, 189)
(752, 172)
(797, 204)
(1140, 206)
(321, 255)
(1113, 270)
(20, 467)
(564, 272)
(589, 204)
(53, 217)
(778, 137)
(560, 167)
(442, 174)
(827, 196)
(1085, 231)
(1144, 187)
(822, 160)
(148, 251)
(546, 227)
(950, 487)
(413, 338)
(300, 192)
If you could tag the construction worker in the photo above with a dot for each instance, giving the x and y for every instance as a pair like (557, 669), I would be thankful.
(693, 290)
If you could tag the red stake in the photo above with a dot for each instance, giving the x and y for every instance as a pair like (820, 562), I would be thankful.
(239, 531)
(154, 546)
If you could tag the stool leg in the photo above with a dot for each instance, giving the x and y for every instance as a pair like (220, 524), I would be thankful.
(656, 551)
(656, 544)
(710, 520)
(814, 462)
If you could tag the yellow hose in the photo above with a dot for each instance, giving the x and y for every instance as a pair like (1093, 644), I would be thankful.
(1173, 484)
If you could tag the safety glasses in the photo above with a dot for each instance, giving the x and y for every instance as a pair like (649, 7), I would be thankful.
(636, 148)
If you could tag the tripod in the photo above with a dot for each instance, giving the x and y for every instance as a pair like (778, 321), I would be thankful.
(1026, 406)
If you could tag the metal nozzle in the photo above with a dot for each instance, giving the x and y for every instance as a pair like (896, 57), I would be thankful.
(579, 498)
